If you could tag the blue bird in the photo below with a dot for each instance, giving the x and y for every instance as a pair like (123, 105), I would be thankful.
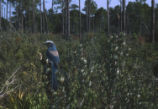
(53, 57)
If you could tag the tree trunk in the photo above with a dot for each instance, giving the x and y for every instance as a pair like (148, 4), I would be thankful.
(22, 23)
(33, 16)
(41, 29)
(0, 15)
(4, 13)
(68, 20)
(124, 15)
(45, 18)
(93, 24)
(7, 10)
(10, 10)
(63, 16)
(18, 19)
(44, 7)
(52, 12)
(153, 21)
(44, 23)
(52, 6)
(80, 19)
(87, 17)
(89, 1)
(21, 17)
(121, 15)
(108, 15)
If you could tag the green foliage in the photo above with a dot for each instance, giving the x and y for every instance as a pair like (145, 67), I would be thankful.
(22, 100)
(139, 14)
(91, 5)
(130, 77)
(113, 71)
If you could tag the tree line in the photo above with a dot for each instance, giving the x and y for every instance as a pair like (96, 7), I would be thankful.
(67, 18)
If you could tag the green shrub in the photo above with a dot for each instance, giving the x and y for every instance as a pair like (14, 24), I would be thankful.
(102, 71)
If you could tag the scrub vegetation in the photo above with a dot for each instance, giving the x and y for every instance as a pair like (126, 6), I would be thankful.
(108, 55)
(115, 70)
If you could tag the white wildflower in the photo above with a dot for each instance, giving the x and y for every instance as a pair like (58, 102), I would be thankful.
(85, 94)
(92, 68)
(62, 79)
(75, 52)
(7, 83)
(111, 36)
(63, 90)
(111, 106)
(116, 48)
(129, 49)
(55, 93)
(82, 58)
(82, 70)
(90, 83)
(85, 61)
(124, 43)
(91, 71)
(121, 53)
(47, 61)
(124, 34)
(80, 45)
(115, 62)
(118, 71)
(84, 73)
(115, 57)
(138, 95)
(128, 94)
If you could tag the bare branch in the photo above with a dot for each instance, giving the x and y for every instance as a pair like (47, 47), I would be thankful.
(6, 88)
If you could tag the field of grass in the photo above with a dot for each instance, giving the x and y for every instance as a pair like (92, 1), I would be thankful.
(114, 72)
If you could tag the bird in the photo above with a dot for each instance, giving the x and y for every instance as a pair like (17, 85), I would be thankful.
(53, 58)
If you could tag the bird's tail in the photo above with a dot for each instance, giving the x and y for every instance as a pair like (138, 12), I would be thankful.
(54, 81)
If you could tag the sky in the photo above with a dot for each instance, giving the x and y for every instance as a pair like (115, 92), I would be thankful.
(100, 3)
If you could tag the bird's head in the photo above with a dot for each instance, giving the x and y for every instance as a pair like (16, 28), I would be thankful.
(48, 43)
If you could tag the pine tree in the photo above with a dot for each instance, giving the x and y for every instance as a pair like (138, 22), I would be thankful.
(124, 15)
(153, 21)
(108, 15)
(67, 20)
(80, 19)
(41, 26)
(0, 14)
